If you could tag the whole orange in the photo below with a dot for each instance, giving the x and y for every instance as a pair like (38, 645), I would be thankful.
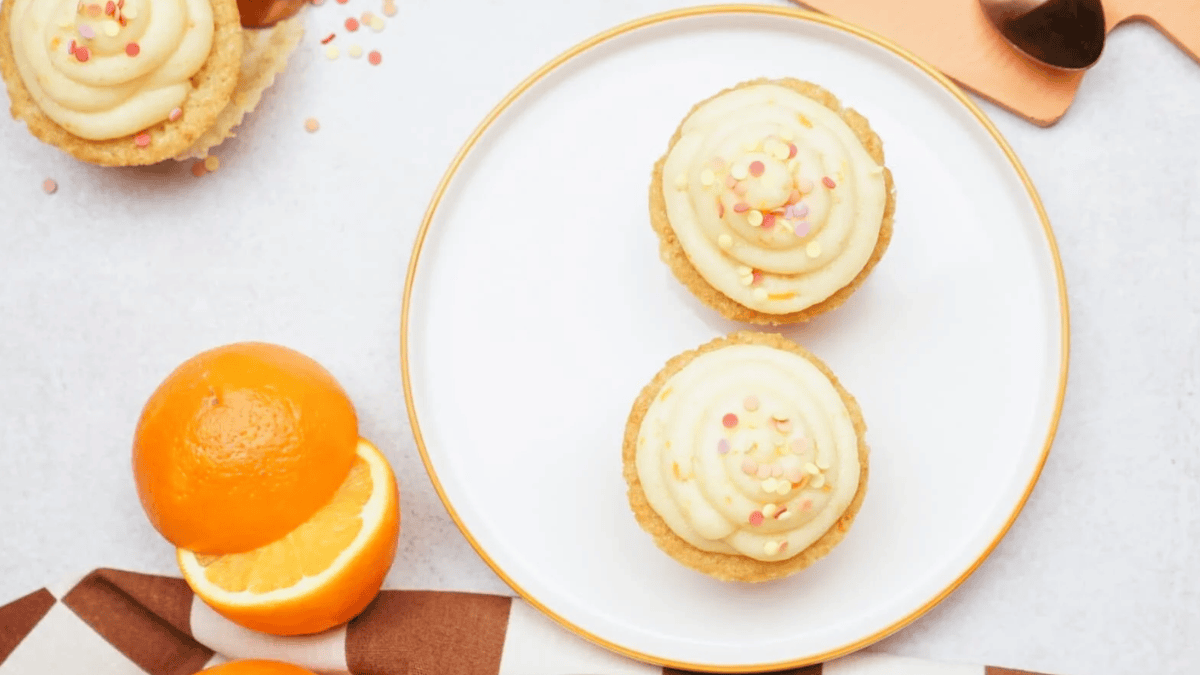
(255, 667)
(240, 445)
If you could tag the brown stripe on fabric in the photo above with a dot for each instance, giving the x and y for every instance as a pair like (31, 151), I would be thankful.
(19, 617)
(996, 670)
(145, 617)
(814, 669)
(428, 633)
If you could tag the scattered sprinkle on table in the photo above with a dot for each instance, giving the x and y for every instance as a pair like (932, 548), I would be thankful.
(377, 24)
(198, 169)
(212, 163)
(354, 51)
(328, 38)
(389, 8)
(352, 24)
(331, 52)
(49, 186)
(311, 125)
(374, 57)
(318, 3)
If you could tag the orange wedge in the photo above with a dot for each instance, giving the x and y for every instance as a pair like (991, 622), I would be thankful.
(320, 574)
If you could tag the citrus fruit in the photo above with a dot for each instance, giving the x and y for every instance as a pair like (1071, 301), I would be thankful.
(319, 575)
(255, 667)
(240, 445)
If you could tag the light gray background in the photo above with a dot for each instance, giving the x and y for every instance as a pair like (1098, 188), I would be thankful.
(302, 239)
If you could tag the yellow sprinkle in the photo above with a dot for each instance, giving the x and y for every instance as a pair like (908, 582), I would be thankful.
(331, 52)
(804, 121)
(813, 249)
(748, 279)
(822, 464)
(781, 152)
(787, 136)
(754, 217)
(744, 269)
(818, 481)
(739, 171)
(782, 296)
(760, 294)
(811, 468)
(376, 24)
(681, 182)
(707, 178)
(771, 547)
(354, 51)
(785, 515)
(111, 28)
(793, 165)
(55, 42)
(129, 12)
(768, 510)
(770, 484)
(212, 163)
(783, 488)
(725, 241)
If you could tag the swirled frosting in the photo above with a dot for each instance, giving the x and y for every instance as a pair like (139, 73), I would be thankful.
(104, 69)
(773, 197)
(748, 450)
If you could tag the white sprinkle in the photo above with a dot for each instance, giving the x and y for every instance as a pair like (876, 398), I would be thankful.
(771, 547)
(819, 480)
(725, 241)
(811, 468)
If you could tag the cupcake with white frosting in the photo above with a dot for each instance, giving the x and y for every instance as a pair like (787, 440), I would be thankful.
(131, 82)
(745, 458)
(772, 203)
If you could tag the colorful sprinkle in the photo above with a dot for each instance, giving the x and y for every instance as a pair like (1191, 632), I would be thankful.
(142, 139)
(317, 3)
(342, 2)
(375, 58)
(750, 403)
(352, 24)
(760, 294)
(87, 32)
(739, 171)
(111, 28)
(212, 163)
(730, 182)
(813, 249)
(707, 177)
(769, 484)
(793, 474)
(757, 168)
(681, 182)
(782, 513)
(389, 9)
(71, 48)
(828, 182)
(331, 52)
(792, 150)
(749, 466)
(110, 8)
(741, 207)
(805, 185)
(822, 464)
(720, 209)
(755, 218)
(771, 547)
(801, 445)
(82, 54)
(311, 125)
(811, 468)
(176, 113)
(793, 197)
(783, 426)
(768, 510)
(729, 420)
(806, 505)
(725, 241)
(49, 186)
(133, 49)
(740, 189)
(802, 228)
(354, 51)
(328, 38)
(94, 10)
(801, 210)
(768, 220)
(818, 481)
(376, 24)
(756, 277)
(777, 472)
(198, 169)
(764, 471)
(756, 518)
(723, 446)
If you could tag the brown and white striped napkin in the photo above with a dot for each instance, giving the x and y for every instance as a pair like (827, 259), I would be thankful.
(113, 622)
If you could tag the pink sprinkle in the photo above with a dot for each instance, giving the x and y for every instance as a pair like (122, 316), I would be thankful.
(793, 475)
(71, 47)
(780, 512)
(133, 49)
(142, 139)
(805, 185)
(828, 182)
(94, 10)
(764, 471)
(794, 197)
(777, 472)
(723, 446)
(768, 221)
(802, 228)
(800, 445)
(782, 546)
(749, 466)
(756, 518)
(110, 8)
(757, 277)
(801, 210)
(806, 505)
(741, 207)
(729, 420)
(82, 54)
(757, 168)
(86, 32)
(730, 181)
(792, 150)
(352, 24)
(720, 209)
(175, 115)
(740, 189)
(375, 58)
(750, 403)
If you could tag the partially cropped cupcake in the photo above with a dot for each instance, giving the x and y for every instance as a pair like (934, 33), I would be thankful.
(745, 458)
(131, 82)
(772, 203)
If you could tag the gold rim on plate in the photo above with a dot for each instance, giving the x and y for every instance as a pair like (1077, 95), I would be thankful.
(653, 20)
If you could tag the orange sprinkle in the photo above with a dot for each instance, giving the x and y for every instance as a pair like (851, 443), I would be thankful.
(198, 169)
(352, 24)
(49, 186)
(311, 125)
(374, 57)
(781, 296)
(328, 38)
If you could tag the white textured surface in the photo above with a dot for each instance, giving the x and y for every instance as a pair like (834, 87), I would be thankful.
(108, 284)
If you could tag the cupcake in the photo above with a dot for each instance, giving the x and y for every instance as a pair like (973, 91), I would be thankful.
(772, 203)
(131, 82)
(745, 458)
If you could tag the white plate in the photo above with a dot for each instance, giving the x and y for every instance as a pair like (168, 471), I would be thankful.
(539, 309)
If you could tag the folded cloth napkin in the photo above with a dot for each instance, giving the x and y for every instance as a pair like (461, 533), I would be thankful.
(114, 622)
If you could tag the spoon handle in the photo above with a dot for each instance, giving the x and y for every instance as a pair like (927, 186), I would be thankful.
(1179, 20)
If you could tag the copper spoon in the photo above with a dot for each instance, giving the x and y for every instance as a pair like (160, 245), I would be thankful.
(1066, 34)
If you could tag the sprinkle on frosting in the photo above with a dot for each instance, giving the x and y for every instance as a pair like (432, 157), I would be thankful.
(750, 403)
(730, 420)
(828, 182)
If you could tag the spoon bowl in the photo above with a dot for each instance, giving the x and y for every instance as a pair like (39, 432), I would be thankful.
(1065, 34)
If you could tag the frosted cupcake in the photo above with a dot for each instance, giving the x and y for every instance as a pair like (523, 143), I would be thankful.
(772, 203)
(129, 82)
(745, 458)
